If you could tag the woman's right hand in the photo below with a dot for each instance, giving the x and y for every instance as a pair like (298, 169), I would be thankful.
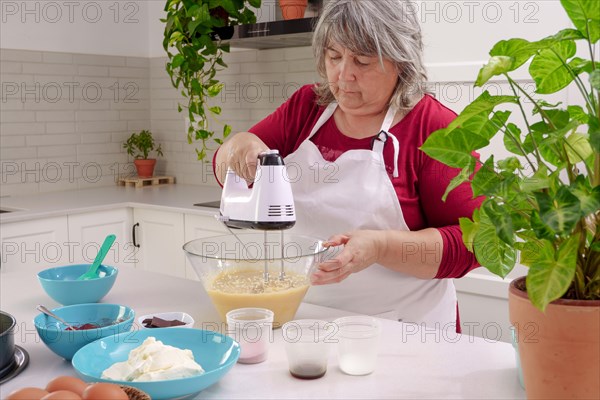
(240, 153)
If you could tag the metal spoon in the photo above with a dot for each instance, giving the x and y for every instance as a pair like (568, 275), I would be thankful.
(50, 313)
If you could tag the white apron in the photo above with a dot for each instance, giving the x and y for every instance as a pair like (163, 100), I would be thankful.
(355, 192)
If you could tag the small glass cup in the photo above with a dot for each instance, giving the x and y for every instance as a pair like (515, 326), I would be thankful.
(307, 344)
(358, 344)
(252, 329)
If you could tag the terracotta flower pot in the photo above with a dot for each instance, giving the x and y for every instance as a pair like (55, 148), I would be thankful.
(560, 348)
(145, 168)
(293, 9)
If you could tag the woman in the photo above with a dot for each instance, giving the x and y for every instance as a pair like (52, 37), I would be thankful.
(352, 144)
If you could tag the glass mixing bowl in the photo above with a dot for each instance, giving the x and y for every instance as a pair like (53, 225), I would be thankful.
(232, 270)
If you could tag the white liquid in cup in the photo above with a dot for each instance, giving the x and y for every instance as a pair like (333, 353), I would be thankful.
(358, 344)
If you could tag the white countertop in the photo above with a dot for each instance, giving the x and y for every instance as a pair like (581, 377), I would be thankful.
(175, 196)
(411, 364)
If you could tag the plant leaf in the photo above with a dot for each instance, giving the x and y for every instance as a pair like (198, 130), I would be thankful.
(453, 148)
(578, 147)
(565, 34)
(519, 50)
(462, 177)
(486, 179)
(561, 212)
(538, 181)
(497, 65)
(512, 140)
(595, 79)
(589, 198)
(579, 65)
(177, 61)
(547, 68)
(551, 273)
(226, 130)
(214, 90)
(484, 126)
(484, 103)
(594, 132)
(585, 15)
(215, 110)
(501, 220)
(469, 229)
(510, 164)
(576, 113)
(541, 230)
(491, 252)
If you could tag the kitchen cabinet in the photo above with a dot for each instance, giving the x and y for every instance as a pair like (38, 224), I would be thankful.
(160, 237)
(200, 226)
(40, 243)
(88, 230)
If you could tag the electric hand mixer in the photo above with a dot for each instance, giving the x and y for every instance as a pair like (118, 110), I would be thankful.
(268, 205)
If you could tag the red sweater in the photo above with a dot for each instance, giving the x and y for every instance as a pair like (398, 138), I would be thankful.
(421, 182)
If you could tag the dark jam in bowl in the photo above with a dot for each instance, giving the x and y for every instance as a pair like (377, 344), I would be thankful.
(93, 326)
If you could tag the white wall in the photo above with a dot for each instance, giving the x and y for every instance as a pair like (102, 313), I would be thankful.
(455, 31)
(115, 27)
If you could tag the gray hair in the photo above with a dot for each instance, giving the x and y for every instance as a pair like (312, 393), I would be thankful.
(385, 28)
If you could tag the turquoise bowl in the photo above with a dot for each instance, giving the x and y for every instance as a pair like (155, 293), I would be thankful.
(62, 285)
(216, 353)
(112, 319)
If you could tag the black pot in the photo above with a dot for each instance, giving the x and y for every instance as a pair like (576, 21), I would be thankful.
(7, 342)
(223, 33)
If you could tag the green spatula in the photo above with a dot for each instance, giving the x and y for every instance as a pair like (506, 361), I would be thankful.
(92, 273)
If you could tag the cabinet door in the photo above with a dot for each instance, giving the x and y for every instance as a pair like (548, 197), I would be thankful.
(87, 233)
(159, 236)
(200, 226)
(40, 243)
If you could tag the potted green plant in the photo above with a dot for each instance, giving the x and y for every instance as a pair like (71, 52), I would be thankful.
(543, 203)
(193, 40)
(139, 146)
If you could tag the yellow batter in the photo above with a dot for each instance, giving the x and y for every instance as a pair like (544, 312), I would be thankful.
(246, 288)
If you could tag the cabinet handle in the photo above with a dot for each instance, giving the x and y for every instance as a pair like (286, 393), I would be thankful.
(133, 234)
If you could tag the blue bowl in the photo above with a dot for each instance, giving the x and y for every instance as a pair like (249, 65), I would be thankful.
(216, 353)
(112, 319)
(62, 285)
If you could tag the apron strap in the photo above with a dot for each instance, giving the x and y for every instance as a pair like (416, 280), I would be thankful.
(378, 141)
(384, 134)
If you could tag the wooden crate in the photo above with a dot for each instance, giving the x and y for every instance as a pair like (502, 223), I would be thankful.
(138, 182)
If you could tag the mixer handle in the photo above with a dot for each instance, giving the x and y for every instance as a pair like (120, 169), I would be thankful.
(270, 157)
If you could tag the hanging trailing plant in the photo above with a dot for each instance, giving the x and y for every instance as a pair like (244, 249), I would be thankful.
(193, 40)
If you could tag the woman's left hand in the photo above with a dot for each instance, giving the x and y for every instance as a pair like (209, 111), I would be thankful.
(361, 249)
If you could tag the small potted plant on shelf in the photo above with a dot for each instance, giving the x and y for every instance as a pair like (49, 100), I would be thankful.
(543, 203)
(293, 9)
(139, 146)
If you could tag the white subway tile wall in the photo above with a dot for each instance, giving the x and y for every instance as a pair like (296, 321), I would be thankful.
(63, 117)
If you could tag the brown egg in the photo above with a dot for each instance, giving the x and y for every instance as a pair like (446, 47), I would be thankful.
(61, 395)
(103, 391)
(69, 383)
(27, 393)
